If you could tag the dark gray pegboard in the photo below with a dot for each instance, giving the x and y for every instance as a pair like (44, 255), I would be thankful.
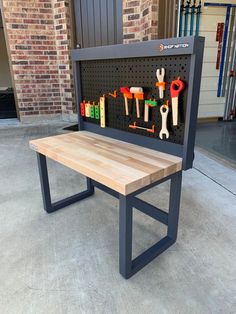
(99, 77)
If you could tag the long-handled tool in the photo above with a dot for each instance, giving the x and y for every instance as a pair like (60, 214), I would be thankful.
(160, 74)
(176, 88)
(127, 95)
(227, 18)
(192, 17)
(135, 126)
(164, 109)
(198, 18)
(148, 103)
(219, 38)
(138, 95)
(186, 18)
(229, 54)
(181, 18)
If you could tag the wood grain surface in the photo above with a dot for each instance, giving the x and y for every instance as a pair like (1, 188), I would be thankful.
(121, 166)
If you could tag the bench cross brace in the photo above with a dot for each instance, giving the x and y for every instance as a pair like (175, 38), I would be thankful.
(128, 267)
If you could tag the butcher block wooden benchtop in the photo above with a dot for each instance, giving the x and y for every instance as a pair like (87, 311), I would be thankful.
(119, 165)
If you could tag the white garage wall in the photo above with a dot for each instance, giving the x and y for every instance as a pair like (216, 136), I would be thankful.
(210, 105)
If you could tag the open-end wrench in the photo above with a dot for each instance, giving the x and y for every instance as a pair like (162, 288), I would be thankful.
(160, 73)
(164, 109)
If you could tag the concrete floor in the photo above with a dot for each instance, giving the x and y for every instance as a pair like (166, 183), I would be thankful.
(67, 262)
(218, 138)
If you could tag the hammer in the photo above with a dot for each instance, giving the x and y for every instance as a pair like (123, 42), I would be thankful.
(127, 95)
(138, 94)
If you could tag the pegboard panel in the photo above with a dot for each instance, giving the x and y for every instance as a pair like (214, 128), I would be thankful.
(100, 77)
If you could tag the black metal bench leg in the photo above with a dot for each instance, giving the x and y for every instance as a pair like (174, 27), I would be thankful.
(129, 267)
(45, 188)
(174, 204)
(125, 236)
(44, 182)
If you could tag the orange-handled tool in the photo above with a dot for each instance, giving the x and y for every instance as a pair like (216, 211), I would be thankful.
(176, 88)
(135, 126)
(127, 95)
(138, 95)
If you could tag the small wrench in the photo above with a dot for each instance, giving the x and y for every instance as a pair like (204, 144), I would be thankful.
(160, 73)
(164, 113)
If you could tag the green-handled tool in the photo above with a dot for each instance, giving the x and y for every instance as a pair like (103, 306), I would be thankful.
(92, 110)
(97, 111)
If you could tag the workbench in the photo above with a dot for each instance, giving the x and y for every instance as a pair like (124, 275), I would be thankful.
(125, 163)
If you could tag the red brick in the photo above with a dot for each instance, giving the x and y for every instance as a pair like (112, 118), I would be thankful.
(37, 50)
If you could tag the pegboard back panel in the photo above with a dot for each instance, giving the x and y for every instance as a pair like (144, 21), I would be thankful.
(100, 77)
(102, 70)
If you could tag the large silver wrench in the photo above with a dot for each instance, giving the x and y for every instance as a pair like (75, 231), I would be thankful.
(160, 74)
(164, 115)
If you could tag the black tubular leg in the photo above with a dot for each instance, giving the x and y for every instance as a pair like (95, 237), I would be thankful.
(125, 236)
(45, 188)
(90, 186)
(44, 182)
(129, 267)
(174, 204)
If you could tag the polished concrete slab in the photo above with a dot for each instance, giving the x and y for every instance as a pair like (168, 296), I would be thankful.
(67, 262)
(219, 139)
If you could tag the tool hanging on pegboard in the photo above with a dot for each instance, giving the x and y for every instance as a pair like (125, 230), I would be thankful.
(135, 107)
(138, 95)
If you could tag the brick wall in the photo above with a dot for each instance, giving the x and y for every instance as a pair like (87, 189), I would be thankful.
(140, 19)
(38, 33)
(38, 36)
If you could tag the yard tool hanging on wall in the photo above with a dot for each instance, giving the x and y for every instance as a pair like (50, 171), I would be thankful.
(189, 8)
(181, 13)
(198, 18)
(229, 52)
(192, 17)
(186, 14)
(219, 37)
(228, 7)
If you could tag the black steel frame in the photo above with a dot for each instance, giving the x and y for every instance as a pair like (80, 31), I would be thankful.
(192, 46)
(128, 266)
